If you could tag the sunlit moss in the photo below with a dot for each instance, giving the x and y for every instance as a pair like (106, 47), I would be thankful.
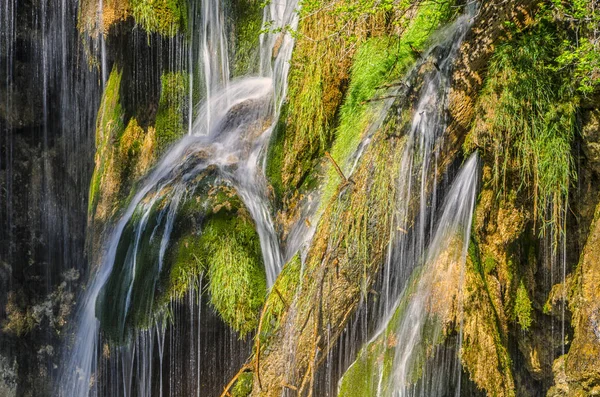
(379, 60)
(110, 123)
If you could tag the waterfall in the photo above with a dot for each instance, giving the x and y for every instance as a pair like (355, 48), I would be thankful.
(413, 265)
(223, 136)
(213, 53)
(418, 178)
(408, 348)
(437, 295)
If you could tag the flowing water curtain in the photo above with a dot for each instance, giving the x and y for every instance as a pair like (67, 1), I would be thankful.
(233, 144)
(48, 99)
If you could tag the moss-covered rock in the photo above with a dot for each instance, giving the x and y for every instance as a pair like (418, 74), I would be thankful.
(484, 351)
(225, 248)
(165, 17)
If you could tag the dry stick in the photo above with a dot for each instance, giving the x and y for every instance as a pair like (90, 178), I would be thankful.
(337, 168)
(316, 337)
(288, 386)
(381, 98)
(232, 381)
(281, 297)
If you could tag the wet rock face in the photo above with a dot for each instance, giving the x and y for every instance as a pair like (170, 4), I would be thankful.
(581, 365)
(591, 138)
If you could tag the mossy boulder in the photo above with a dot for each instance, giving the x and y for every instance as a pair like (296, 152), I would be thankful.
(213, 238)
(225, 249)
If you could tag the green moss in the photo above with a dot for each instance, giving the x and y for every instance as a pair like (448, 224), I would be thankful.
(110, 124)
(172, 109)
(243, 386)
(188, 266)
(358, 380)
(165, 17)
(522, 309)
(237, 278)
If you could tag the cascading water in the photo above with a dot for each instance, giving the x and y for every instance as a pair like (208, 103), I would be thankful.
(414, 218)
(418, 173)
(436, 300)
(410, 341)
(229, 135)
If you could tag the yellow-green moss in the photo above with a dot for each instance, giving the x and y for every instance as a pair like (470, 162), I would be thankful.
(484, 352)
(326, 48)
(522, 308)
(243, 386)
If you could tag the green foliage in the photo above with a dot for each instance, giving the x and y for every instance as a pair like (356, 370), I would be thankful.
(522, 309)
(165, 17)
(172, 109)
(579, 50)
(530, 119)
